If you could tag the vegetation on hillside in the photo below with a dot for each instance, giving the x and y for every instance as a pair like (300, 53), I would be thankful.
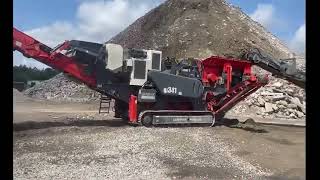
(23, 73)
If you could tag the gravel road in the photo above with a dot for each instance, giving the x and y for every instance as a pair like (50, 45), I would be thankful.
(52, 141)
(84, 149)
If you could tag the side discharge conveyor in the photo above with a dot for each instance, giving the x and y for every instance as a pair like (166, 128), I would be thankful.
(283, 68)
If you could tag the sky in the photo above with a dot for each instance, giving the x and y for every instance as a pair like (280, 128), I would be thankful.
(53, 22)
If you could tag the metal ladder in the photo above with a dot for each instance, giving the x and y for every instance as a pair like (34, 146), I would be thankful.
(105, 104)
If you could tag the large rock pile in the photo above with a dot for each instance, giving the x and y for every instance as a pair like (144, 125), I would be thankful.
(61, 88)
(278, 99)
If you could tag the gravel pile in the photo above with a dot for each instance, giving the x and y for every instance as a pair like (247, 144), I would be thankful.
(199, 28)
(19, 96)
(60, 88)
(278, 99)
(130, 153)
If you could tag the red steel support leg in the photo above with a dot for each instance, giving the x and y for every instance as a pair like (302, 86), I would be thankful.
(133, 109)
(228, 70)
(247, 70)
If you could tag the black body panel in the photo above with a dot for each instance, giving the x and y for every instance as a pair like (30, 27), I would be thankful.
(139, 70)
(156, 61)
(134, 53)
(84, 53)
(179, 86)
(89, 47)
(115, 85)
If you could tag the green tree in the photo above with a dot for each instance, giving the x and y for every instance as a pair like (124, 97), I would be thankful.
(22, 73)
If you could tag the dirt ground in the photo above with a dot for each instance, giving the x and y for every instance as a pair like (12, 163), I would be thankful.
(71, 141)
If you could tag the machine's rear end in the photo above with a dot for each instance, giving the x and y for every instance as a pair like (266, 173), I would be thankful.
(195, 92)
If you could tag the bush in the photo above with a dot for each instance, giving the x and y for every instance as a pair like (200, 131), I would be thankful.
(24, 74)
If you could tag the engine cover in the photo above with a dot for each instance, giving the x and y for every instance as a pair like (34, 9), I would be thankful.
(173, 85)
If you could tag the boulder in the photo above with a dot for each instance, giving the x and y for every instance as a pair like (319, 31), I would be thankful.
(268, 107)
